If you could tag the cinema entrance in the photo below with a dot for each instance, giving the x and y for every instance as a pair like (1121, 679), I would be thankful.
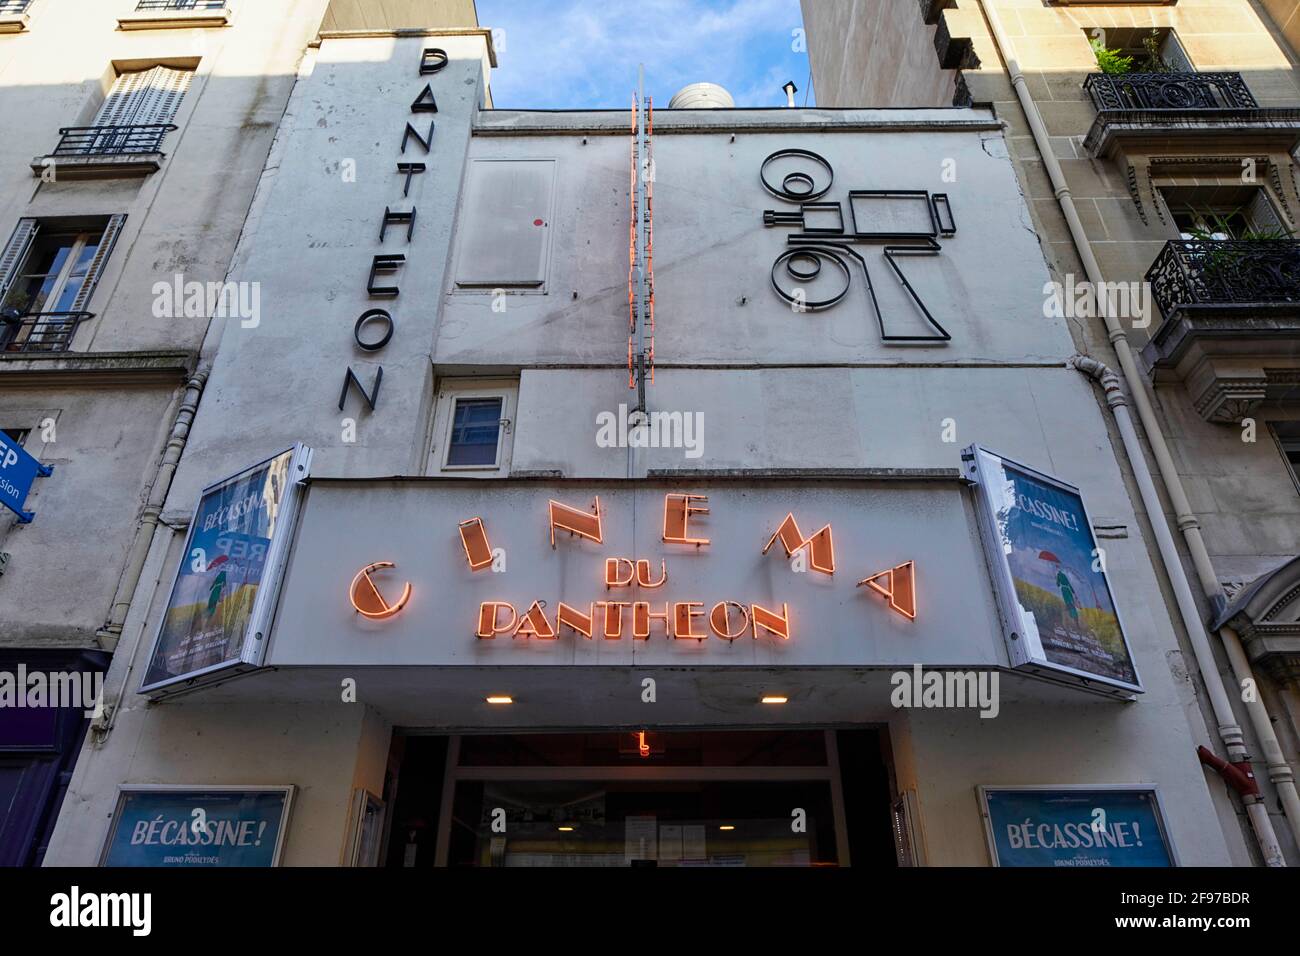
(738, 798)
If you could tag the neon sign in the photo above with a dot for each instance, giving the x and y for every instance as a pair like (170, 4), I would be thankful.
(366, 597)
(609, 619)
(821, 549)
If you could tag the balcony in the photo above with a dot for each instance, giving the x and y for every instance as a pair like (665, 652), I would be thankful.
(94, 152)
(1156, 110)
(1231, 329)
(13, 15)
(175, 15)
(31, 332)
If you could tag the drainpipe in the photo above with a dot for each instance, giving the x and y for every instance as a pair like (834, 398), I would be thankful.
(1237, 767)
(1279, 770)
(111, 632)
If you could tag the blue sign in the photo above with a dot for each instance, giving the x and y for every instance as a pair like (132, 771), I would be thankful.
(198, 828)
(1076, 827)
(17, 472)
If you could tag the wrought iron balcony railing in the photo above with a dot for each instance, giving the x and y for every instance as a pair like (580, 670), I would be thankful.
(148, 5)
(1169, 91)
(111, 140)
(14, 6)
(1192, 272)
(39, 331)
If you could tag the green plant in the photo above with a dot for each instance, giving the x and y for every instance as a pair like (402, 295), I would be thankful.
(1154, 62)
(1111, 61)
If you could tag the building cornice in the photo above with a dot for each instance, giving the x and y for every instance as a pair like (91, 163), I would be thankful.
(92, 369)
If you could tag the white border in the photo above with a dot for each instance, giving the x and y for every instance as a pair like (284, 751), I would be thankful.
(984, 789)
(288, 790)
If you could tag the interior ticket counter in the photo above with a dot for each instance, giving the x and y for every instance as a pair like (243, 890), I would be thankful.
(742, 798)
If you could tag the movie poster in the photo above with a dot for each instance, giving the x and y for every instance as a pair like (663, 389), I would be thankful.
(198, 828)
(224, 567)
(1067, 611)
(1076, 827)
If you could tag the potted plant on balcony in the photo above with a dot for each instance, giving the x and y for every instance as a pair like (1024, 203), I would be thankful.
(1111, 61)
(1230, 260)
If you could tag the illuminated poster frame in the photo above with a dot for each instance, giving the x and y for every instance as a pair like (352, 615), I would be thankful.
(244, 650)
(189, 799)
(988, 470)
(1092, 817)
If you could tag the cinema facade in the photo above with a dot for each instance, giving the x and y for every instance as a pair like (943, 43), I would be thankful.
(409, 606)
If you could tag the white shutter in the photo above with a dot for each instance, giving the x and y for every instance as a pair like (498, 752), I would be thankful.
(111, 231)
(144, 97)
(1263, 217)
(15, 251)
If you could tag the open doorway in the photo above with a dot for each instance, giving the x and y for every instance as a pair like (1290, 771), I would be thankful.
(643, 798)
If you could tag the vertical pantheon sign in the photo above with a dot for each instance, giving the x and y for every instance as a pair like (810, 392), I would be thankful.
(374, 328)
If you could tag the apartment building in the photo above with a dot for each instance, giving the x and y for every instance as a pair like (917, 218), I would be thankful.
(136, 134)
(1155, 145)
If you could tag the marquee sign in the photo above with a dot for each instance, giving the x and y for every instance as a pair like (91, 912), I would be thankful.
(612, 618)
(839, 572)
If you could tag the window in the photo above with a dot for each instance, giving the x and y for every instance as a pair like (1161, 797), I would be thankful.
(505, 240)
(1147, 50)
(149, 5)
(1288, 440)
(48, 271)
(14, 7)
(473, 424)
(1223, 212)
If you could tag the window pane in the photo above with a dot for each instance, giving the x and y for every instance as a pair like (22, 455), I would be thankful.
(475, 427)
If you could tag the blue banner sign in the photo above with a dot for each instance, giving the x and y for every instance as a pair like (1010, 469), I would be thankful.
(198, 828)
(18, 470)
(1076, 827)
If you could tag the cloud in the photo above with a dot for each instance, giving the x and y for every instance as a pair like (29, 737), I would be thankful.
(583, 54)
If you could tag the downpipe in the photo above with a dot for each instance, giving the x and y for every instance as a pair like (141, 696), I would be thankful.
(1220, 703)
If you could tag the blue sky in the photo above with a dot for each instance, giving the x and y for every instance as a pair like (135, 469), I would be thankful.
(583, 54)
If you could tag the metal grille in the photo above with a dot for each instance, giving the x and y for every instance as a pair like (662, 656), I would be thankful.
(39, 331)
(1225, 272)
(1169, 91)
(111, 140)
(180, 5)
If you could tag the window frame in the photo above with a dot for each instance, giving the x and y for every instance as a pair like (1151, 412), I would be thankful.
(1260, 191)
(1282, 442)
(64, 275)
(450, 392)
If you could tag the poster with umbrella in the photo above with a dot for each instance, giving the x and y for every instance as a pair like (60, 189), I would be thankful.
(1063, 609)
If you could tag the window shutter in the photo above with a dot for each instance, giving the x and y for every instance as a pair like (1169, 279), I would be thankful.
(97, 264)
(144, 97)
(1263, 217)
(15, 251)
(1171, 51)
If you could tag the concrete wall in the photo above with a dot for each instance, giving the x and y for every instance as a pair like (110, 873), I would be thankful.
(113, 397)
(874, 53)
